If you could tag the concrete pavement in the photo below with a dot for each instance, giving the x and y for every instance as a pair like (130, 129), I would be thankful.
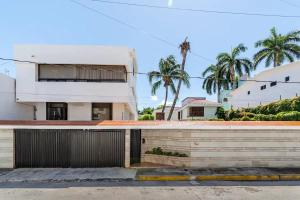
(67, 174)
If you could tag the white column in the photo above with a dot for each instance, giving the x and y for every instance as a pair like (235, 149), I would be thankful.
(127, 148)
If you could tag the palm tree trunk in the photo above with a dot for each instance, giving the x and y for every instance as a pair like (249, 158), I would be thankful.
(178, 88)
(218, 94)
(166, 98)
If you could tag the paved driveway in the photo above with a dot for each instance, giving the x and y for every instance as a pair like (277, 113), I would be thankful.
(67, 174)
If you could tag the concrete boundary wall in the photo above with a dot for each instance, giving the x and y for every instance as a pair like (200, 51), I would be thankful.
(6, 148)
(225, 148)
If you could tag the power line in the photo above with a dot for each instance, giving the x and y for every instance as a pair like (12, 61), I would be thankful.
(147, 73)
(151, 35)
(198, 10)
(290, 3)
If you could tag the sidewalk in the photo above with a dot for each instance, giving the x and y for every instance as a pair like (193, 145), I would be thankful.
(226, 174)
(149, 174)
(67, 174)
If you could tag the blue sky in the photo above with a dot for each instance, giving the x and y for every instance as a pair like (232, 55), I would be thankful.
(63, 22)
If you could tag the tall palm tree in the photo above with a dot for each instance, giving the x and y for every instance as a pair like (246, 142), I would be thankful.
(278, 48)
(169, 71)
(215, 80)
(184, 49)
(234, 64)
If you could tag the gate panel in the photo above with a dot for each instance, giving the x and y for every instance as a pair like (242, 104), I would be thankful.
(135, 146)
(69, 148)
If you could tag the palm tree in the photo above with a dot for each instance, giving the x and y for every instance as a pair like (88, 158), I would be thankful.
(184, 49)
(169, 71)
(215, 80)
(278, 48)
(234, 64)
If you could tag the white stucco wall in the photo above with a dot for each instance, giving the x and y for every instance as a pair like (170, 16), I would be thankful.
(28, 89)
(9, 109)
(239, 98)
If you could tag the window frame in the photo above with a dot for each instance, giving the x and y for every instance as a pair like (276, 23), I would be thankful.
(65, 106)
(110, 106)
(125, 80)
(195, 113)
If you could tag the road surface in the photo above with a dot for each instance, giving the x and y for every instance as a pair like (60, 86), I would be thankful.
(131, 190)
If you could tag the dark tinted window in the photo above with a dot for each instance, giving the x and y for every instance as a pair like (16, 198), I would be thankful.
(287, 78)
(263, 87)
(196, 112)
(273, 83)
(57, 111)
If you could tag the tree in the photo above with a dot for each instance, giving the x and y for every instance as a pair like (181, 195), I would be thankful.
(234, 64)
(184, 49)
(277, 48)
(215, 80)
(147, 110)
(169, 71)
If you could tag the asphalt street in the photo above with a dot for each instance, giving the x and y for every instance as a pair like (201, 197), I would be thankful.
(134, 190)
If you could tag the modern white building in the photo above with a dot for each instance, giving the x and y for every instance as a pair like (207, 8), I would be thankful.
(67, 82)
(192, 108)
(255, 91)
(9, 109)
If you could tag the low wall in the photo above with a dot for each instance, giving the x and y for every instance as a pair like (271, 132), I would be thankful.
(225, 147)
(6, 148)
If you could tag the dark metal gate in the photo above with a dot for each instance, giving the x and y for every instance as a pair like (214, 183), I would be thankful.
(69, 148)
(135, 146)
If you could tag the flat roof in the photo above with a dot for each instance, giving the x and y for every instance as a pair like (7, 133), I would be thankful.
(20, 124)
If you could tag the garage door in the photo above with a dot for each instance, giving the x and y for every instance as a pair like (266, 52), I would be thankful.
(69, 148)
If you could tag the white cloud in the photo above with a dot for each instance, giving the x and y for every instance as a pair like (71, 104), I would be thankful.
(170, 3)
(154, 98)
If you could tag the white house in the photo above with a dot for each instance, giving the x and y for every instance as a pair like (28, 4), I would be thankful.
(9, 109)
(192, 108)
(255, 91)
(67, 82)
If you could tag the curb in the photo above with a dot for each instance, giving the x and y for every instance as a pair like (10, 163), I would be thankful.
(280, 177)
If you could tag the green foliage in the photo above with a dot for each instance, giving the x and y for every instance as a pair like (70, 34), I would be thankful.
(278, 48)
(220, 113)
(146, 117)
(283, 110)
(145, 111)
(159, 151)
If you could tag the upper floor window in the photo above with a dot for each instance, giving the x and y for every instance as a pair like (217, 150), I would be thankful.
(263, 87)
(196, 112)
(225, 100)
(81, 73)
(273, 83)
(249, 92)
(287, 79)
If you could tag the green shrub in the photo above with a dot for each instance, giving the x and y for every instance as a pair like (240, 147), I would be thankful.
(159, 151)
(245, 118)
(146, 117)
(220, 113)
(295, 105)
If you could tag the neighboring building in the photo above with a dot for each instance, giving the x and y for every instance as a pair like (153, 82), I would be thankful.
(9, 109)
(77, 82)
(158, 115)
(280, 86)
(193, 108)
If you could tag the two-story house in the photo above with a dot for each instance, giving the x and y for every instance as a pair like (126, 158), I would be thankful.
(68, 82)
(270, 85)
